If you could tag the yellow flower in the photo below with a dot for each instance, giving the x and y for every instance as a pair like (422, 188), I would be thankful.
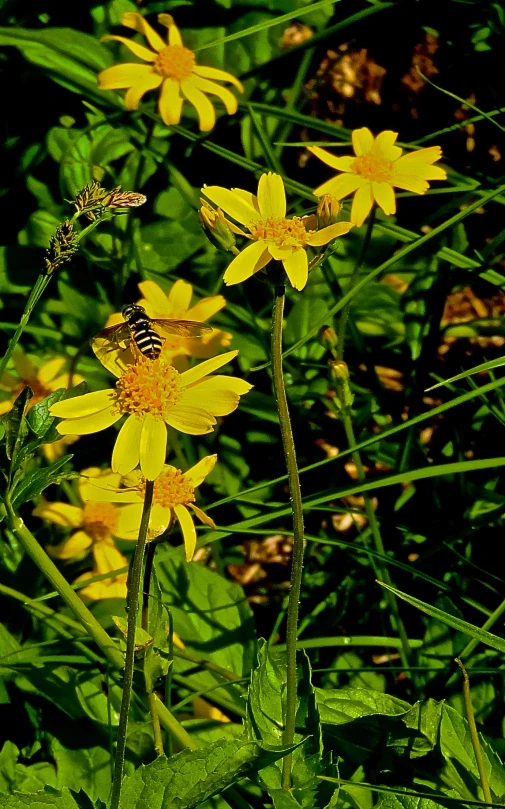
(172, 68)
(152, 394)
(174, 493)
(95, 524)
(43, 380)
(273, 235)
(177, 304)
(376, 168)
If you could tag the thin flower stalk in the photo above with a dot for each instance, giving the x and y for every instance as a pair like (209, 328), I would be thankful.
(151, 700)
(298, 527)
(134, 579)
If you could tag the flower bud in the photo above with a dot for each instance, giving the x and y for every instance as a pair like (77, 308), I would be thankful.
(328, 210)
(216, 227)
(327, 338)
(339, 371)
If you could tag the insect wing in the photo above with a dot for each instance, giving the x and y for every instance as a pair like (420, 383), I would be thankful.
(111, 347)
(184, 328)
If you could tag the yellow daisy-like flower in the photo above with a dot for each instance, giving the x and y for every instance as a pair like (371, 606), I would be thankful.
(95, 524)
(173, 70)
(42, 380)
(174, 494)
(274, 236)
(177, 304)
(376, 168)
(153, 394)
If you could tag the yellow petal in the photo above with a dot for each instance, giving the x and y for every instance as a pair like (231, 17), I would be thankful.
(248, 197)
(250, 260)
(340, 186)
(60, 514)
(340, 163)
(326, 235)
(134, 95)
(159, 521)
(179, 299)
(89, 424)
(5, 407)
(155, 296)
(126, 453)
(9, 382)
(362, 203)
(215, 73)
(153, 447)
(51, 369)
(140, 24)
(429, 155)
(197, 474)
(75, 546)
(84, 405)
(217, 402)
(229, 100)
(205, 308)
(362, 141)
(120, 76)
(419, 170)
(62, 381)
(190, 419)
(384, 147)
(107, 557)
(202, 516)
(384, 197)
(206, 368)
(24, 366)
(188, 530)
(97, 591)
(271, 196)
(232, 203)
(220, 382)
(207, 346)
(139, 50)
(92, 478)
(128, 522)
(174, 35)
(116, 360)
(409, 182)
(204, 108)
(170, 102)
(297, 268)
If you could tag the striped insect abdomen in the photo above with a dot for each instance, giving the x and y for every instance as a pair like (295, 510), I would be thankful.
(148, 341)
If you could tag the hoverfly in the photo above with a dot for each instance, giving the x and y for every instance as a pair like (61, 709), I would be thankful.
(142, 333)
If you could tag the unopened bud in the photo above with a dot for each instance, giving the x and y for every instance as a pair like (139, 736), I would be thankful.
(216, 227)
(328, 210)
(339, 370)
(64, 244)
(327, 338)
(93, 200)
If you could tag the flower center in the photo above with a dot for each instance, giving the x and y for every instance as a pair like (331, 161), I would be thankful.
(148, 387)
(282, 232)
(172, 489)
(175, 62)
(373, 168)
(39, 390)
(100, 519)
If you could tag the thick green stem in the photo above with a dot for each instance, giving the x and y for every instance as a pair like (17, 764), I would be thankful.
(344, 315)
(151, 701)
(69, 596)
(474, 734)
(298, 530)
(382, 569)
(134, 579)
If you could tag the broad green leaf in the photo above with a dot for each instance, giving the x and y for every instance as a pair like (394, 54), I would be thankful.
(15, 424)
(34, 482)
(40, 800)
(399, 801)
(18, 777)
(193, 776)
(142, 638)
(71, 58)
(85, 767)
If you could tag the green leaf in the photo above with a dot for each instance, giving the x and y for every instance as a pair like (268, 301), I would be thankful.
(193, 776)
(477, 369)
(71, 58)
(15, 424)
(142, 638)
(34, 483)
(475, 632)
(399, 801)
(40, 800)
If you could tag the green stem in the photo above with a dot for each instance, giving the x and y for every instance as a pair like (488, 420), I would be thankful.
(344, 315)
(474, 734)
(35, 295)
(69, 596)
(134, 579)
(155, 719)
(298, 529)
(383, 570)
